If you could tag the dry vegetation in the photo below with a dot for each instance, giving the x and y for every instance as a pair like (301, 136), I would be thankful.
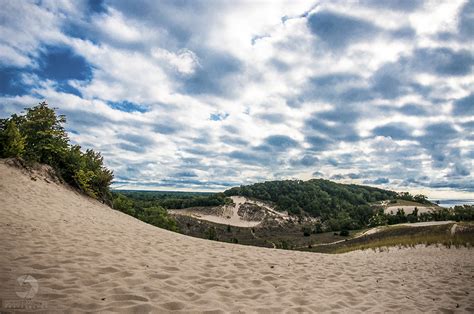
(406, 236)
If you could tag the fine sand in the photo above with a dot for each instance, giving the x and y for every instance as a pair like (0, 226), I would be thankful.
(87, 257)
(228, 214)
(408, 209)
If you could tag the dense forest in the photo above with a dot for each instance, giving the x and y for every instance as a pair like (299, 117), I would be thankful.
(344, 206)
(174, 200)
(340, 206)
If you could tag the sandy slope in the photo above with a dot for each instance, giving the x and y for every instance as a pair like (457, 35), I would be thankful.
(228, 214)
(87, 256)
(408, 209)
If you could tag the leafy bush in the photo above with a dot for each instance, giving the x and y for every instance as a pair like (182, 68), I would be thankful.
(211, 233)
(13, 143)
(154, 215)
(344, 233)
(158, 217)
(318, 228)
(306, 231)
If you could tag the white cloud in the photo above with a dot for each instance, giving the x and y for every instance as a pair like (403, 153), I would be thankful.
(263, 57)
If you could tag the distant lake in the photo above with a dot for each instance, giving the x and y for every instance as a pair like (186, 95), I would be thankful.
(454, 202)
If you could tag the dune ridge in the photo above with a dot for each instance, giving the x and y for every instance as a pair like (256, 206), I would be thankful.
(86, 256)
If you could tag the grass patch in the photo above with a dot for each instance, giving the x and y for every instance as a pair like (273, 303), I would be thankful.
(406, 236)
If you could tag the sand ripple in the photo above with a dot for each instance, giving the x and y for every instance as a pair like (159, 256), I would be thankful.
(88, 257)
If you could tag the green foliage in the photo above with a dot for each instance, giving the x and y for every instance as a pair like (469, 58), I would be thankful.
(317, 197)
(45, 138)
(211, 233)
(306, 231)
(283, 244)
(457, 213)
(344, 233)
(176, 200)
(157, 216)
(417, 198)
(405, 236)
(318, 228)
(154, 215)
(124, 204)
(413, 217)
(39, 136)
(338, 205)
(379, 219)
(13, 143)
(463, 213)
(84, 180)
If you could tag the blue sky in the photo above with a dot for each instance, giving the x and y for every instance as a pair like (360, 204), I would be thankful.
(204, 95)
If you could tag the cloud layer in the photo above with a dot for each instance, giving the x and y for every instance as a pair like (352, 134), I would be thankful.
(204, 95)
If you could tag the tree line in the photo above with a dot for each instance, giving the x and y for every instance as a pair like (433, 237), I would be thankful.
(456, 213)
(148, 212)
(175, 200)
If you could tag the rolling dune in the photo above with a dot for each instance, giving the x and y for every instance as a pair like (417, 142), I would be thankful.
(88, 257)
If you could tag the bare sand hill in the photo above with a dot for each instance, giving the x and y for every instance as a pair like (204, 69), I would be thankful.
(88, 257)
(408, 209)
(230, 214)
(226, 215)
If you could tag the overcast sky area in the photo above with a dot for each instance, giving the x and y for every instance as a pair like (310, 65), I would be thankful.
(205, 95)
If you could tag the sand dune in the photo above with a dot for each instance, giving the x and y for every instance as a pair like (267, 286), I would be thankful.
(88, 257)
(229, 214)
(408, 209)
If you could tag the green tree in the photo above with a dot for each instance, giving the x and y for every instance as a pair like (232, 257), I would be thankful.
(158, 216)
(46, 141)
(379, 219)
(84, 179)
(100, 177)
(124, 204)
(318, 228)
(13, 141)
(39, 136)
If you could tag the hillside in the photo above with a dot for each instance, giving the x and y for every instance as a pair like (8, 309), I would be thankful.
(316, 197)
(250, 215)
(86, 256)
(337, 206)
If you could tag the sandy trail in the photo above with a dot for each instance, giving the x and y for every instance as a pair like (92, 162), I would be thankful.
(427, 223)
(88, 257)
(408, 224)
